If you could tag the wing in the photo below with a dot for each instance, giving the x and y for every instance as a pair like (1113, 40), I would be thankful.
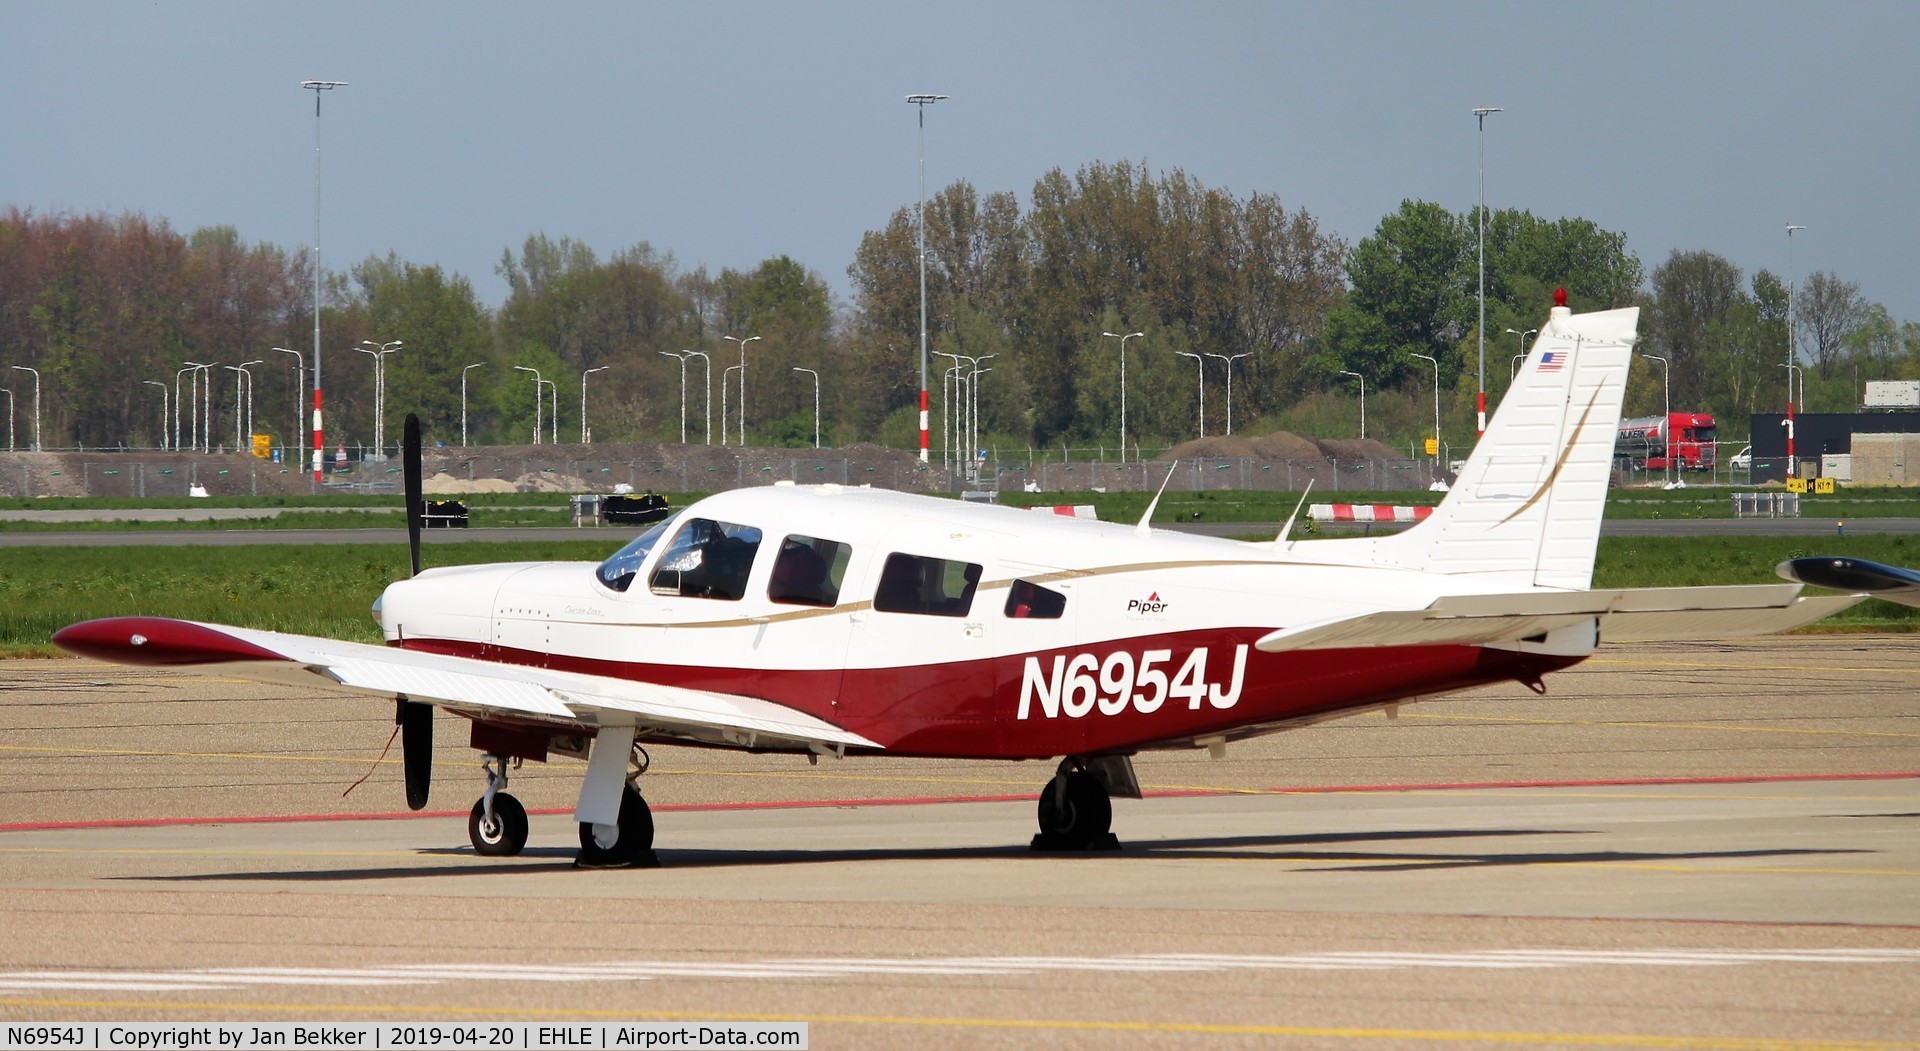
(1626, 615)
(459, 683)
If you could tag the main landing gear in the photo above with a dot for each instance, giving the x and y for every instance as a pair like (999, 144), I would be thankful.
(1076, 808)
(627, 841)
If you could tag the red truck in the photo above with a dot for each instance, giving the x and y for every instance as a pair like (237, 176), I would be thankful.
(1682, 440)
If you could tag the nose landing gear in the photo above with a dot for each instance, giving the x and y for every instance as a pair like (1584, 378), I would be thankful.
(497, 825)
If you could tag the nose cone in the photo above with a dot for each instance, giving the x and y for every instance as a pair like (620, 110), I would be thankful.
(452, 603)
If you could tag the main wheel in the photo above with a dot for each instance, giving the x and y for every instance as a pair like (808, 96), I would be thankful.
(508, 833)
(633, 842)
(1085, 814)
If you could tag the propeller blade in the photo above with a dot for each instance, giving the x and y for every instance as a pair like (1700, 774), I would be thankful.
(416, 749)
(410, 475)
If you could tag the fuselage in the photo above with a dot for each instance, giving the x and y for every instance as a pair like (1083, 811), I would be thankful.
(939, 628)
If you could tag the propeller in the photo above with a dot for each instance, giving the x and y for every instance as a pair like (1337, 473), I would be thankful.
(410, 475)
(415, 719)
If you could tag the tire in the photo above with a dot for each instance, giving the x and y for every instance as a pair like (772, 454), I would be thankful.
(1086, 814)
(509, 832)
(633, 846)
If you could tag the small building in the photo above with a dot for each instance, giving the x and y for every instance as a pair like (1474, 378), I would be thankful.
(1818, 436)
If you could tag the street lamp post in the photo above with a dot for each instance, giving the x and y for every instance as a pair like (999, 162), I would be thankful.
(199, 412)
(743, 388)
(585, 435)
(380, 352)
(1123, 387)
(319, 441)
(193, 391)
(463, 401)
(539, 399)
(973, 401)
(682, 357)
(36, 405)
(1198, 360)
(163, 409)
(299, 389)
(1229, 359)
(1666, 416)
(1363, 401)
(949, 386)
(707, 412)
(920, 227)
(816, 403)
(1436, 403)
(1480, 113)
(553, 418)
(246, 385)
(1514, 365)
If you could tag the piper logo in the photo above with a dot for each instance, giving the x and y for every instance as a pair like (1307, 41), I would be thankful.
(1144, 606)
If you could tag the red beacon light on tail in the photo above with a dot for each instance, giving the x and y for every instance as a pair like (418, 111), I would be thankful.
(1559, 297)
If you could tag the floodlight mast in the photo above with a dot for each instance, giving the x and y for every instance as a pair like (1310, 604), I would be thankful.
(319, 439)
(920, 225)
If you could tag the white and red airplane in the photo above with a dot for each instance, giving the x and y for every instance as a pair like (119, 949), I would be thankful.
(835, 621)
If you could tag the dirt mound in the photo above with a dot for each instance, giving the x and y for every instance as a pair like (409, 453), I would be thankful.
(1278, 446)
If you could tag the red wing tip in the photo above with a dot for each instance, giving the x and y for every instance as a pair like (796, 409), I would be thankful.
(156, 641)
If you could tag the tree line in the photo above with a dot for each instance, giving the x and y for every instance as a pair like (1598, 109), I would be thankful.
(106, 308)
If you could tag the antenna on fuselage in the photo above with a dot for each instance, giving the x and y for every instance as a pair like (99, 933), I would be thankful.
(1288, 528)
(1142, 527)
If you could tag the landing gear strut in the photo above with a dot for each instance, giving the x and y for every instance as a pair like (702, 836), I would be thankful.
(497, 825)
(1076, 812)
(629, 842)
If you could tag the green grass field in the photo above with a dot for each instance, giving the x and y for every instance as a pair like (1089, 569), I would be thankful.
(328, 590)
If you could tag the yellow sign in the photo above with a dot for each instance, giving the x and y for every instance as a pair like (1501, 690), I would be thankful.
(1433, 446)
(263, 446)
(1823, 485)
(1796, 485)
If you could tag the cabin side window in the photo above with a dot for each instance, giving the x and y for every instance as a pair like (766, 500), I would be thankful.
(1027, 600)
(936, 587)
(707, 559)
(808, 571)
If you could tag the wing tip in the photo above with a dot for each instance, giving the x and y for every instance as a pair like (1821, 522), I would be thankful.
(157, 641)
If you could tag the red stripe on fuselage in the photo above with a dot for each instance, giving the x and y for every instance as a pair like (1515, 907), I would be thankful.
(971, 709)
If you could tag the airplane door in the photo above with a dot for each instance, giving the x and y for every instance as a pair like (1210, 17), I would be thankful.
(805, 584)
(920, 652)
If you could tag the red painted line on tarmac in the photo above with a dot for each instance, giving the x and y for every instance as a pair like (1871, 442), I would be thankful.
(801, 804)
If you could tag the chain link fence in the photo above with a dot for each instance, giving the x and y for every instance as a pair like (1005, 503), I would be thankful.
(155, 474)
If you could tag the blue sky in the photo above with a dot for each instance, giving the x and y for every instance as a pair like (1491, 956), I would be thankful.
(729, 133)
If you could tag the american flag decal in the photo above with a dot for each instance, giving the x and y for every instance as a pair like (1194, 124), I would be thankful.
(1551, 360)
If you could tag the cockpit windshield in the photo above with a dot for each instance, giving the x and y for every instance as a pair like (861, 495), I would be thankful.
(617, 572)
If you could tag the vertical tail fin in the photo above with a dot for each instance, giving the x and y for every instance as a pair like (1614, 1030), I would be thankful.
(1527, 505)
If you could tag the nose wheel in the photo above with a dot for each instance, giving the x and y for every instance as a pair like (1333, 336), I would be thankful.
(1076, 812)
(497, 824)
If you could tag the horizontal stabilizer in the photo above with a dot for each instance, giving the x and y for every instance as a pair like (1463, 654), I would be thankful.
(1634, 614)
(1893, 583)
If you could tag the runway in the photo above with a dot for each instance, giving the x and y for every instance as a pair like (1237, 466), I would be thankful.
(1698, 847)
